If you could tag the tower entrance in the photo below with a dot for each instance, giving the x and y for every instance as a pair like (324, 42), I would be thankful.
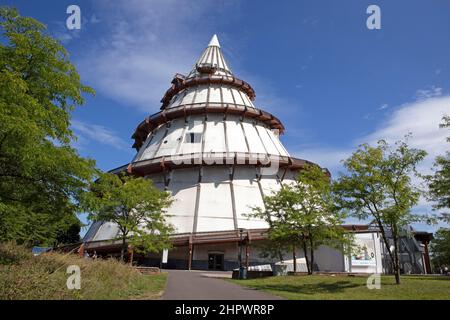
(215, 261)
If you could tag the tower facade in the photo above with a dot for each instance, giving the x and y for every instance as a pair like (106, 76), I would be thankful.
(213, 149)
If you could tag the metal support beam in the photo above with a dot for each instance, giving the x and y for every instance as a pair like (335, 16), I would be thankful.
(233, 200)
(191, 251)
(197, 200)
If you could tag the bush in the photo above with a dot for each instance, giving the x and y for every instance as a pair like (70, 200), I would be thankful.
(24, 276)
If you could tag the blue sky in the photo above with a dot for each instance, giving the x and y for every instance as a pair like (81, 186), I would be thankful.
(314, 64)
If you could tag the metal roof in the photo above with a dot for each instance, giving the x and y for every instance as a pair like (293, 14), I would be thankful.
(211, 57)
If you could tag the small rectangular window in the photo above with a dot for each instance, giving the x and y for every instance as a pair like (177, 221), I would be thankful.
(193, 137)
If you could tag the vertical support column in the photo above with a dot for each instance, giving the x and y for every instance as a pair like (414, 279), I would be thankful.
(247, 250)
(375, 251)
(144, 146)
(162, 139)
(241, 120)
(205, 121)
(284, 174)
(247, 254)
(258, 179)
(259, 136)
(81, 250)
(427, 259)
(183, 134)
(233, 200)
(191, 248)
(197, 200)
(225, 135)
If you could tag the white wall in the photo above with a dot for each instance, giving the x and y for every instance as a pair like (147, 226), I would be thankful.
(247, 195)
(372, 238)
(329, 259)
(215, 212)
(183, 186)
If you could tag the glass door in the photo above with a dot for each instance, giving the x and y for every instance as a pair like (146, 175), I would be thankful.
(215, 261)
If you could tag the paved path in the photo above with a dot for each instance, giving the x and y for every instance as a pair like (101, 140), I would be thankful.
(205, 285)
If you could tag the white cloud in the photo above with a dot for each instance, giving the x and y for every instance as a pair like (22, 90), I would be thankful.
(150, 41)
(147, 43)
(86, 132)
(421, 118)
(431, 92)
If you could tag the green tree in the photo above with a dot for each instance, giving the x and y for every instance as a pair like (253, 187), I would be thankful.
(378, 185)
(273, 248)
(302, 214)
(136, 206)
(439, 192)
(41, 175)
(440, 248)
(439, 182)
(70, 233)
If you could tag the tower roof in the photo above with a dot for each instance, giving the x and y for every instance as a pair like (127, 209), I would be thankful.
(211, 58)
(214, 41)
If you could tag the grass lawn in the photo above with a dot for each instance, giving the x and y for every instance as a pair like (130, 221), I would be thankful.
(148, 287)
(325, 287)
(23, 276)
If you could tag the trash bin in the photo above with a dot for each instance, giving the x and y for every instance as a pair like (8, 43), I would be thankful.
(279, 270)
(242, 273)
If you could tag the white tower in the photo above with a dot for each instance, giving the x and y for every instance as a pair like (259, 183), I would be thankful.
(212, 148)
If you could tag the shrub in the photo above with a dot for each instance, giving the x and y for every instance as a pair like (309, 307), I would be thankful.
(24, 276)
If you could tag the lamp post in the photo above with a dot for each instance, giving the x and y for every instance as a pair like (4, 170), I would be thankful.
(242, 269)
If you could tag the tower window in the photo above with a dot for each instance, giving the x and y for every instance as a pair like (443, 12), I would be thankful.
(193, 137)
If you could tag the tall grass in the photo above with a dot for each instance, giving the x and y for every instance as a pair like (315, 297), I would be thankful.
(24, 276)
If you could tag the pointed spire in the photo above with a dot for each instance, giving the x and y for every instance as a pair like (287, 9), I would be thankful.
(214, 41)
(211, 57)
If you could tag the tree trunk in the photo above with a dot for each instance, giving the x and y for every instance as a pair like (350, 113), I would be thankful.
(123, 249)
(280, 256)
(305, 251)
(396, 259)
(385, 240)
(311, 249)
(294, 258)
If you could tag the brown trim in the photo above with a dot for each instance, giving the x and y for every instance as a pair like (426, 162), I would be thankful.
(229, 236)
(356, 227)
(154, 121)
(425, 238)
(183, 83)
(155, 165)
(427, 259)
(160, 164)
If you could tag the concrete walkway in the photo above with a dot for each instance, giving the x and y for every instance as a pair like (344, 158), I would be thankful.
(207, 285)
